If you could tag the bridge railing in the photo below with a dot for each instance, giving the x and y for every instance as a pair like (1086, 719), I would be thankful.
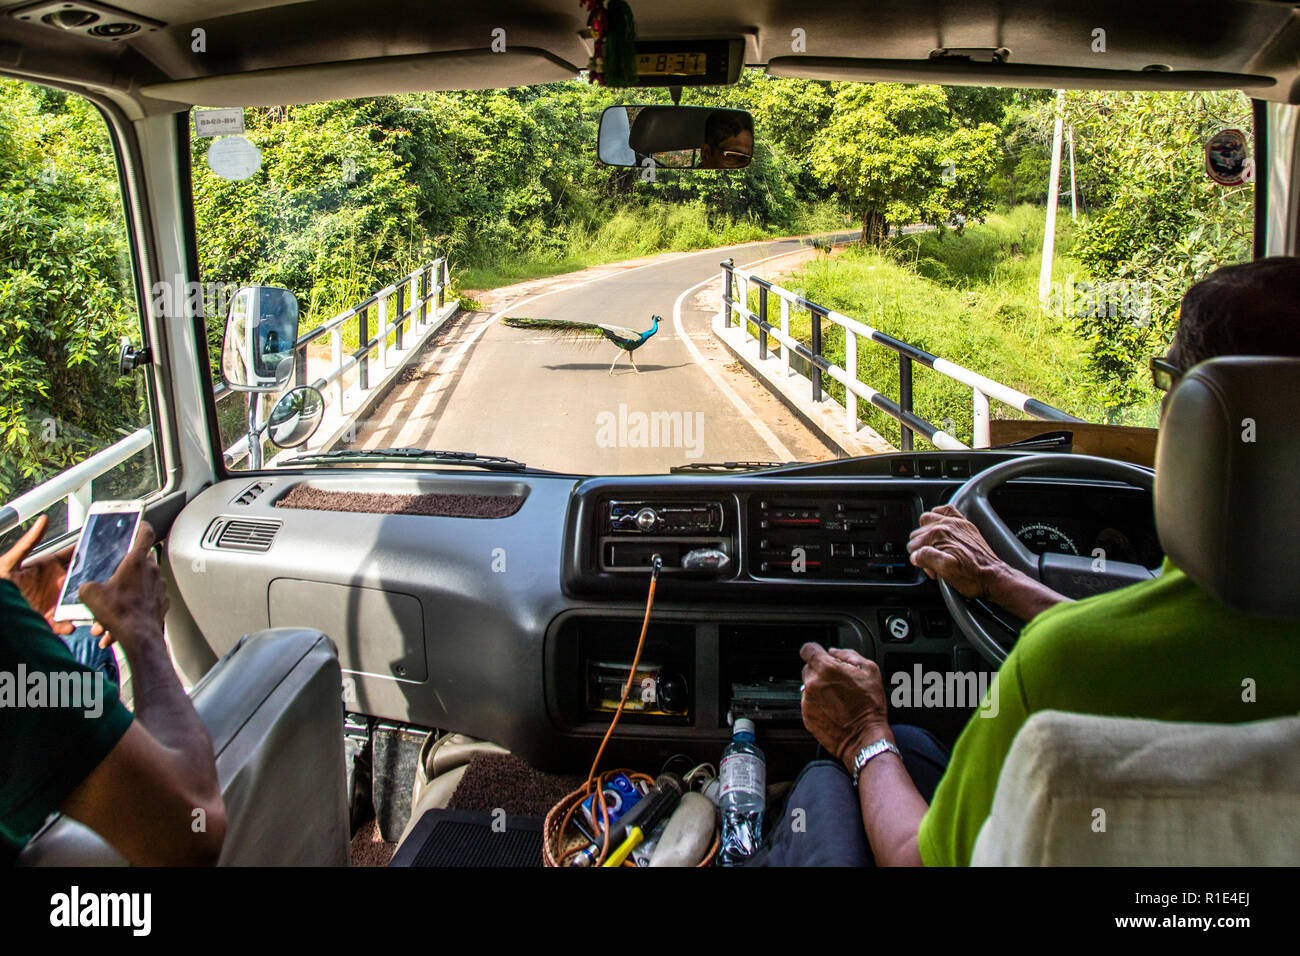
(982, 388)
(415, 300)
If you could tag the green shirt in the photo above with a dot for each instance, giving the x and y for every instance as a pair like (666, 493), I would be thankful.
(1162, 649)
(58, 721)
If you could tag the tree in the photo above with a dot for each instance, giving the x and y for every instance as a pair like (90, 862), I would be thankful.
(1159, 220)
(329, 212)
(899, 155)
(66, 293)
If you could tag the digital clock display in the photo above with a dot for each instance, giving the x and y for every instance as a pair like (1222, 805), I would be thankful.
(671, 64)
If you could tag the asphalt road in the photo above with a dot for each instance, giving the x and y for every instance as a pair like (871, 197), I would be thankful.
(480, 385)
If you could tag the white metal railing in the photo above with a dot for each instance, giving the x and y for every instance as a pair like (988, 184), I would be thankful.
(429, 285)
(982, 388)
(74, 484)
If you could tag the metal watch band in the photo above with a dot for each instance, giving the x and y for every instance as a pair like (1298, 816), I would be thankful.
(869, 752)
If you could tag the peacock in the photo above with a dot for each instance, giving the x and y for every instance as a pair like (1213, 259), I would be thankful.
(628, 340)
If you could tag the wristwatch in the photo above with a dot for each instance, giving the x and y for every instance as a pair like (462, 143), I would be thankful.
(869, 752)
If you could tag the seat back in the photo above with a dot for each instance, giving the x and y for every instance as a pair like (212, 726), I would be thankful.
(1225, 502)
(273, 708)
(1079, 790)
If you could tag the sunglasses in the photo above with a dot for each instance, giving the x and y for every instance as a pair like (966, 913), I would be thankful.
(1164, 374)
(732, 157)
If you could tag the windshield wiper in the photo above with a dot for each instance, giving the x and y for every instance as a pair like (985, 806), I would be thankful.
(490, 462)
(729, 466)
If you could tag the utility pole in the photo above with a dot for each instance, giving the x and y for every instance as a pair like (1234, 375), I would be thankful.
(1074, 195)
(1053, 194)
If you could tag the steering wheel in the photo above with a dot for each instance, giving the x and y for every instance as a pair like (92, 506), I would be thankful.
(1072, 575)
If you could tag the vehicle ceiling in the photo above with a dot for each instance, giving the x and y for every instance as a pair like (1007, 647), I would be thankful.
(260, 52)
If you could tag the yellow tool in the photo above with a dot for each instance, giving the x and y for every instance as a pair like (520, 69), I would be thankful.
(642, 818)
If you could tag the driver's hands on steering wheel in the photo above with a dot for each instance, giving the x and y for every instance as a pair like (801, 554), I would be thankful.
(947, 545)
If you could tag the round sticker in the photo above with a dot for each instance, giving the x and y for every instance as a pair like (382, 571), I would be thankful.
(233, 157)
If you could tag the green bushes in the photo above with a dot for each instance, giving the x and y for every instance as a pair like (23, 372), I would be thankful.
(1158, 218)
(632, 232)
(66, 295)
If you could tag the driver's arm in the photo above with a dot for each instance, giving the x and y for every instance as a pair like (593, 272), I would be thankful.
(844, 707)
(946, 545)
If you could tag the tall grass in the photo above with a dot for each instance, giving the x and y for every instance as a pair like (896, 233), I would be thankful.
(970, 298)
(629, 234)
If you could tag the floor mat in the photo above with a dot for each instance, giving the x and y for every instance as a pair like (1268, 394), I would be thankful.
(463, 839)
(369, 848)
(504, 782)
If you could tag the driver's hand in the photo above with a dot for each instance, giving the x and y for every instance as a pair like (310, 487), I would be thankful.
(844, 704)
(948, 546)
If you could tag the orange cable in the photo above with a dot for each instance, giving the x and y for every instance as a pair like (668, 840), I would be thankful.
(618, 712)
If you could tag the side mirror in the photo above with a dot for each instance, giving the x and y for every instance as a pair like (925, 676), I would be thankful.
(257, 353)
(1226, 159)
(676, 137)
(295, 417)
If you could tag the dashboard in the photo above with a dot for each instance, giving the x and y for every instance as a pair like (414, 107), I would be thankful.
(1064, 518)
(512, 613)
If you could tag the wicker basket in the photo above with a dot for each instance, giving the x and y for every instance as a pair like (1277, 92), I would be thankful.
(557, 845)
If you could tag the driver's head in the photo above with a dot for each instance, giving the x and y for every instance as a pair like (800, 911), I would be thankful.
(728, 141)
(1247, 309)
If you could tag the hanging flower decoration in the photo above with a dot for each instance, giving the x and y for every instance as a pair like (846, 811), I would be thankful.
(613, 60)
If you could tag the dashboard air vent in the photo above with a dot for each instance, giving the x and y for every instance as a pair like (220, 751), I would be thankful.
(252, 493)
(243, 534)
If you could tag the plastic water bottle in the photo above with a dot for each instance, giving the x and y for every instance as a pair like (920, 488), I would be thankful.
(743, 778)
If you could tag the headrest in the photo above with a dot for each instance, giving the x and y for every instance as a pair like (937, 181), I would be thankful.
(1227, 459)
(661, 129)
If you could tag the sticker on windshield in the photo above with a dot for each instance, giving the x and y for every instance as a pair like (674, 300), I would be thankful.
(223, 122)
(234, 157)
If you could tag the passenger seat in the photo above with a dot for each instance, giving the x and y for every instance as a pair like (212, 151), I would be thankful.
(273, 707)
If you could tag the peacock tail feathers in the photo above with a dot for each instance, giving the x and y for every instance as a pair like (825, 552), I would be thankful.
(585, 333)
(580, 333)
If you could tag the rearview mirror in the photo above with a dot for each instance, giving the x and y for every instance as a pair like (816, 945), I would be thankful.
(295, 417)
(676, 137)
(261, 331)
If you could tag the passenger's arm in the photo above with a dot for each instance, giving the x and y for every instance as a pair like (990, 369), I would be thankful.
(844, 707)
(155, 797)
(948, 546)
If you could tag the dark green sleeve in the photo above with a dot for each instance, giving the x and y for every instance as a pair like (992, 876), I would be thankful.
(58, 719)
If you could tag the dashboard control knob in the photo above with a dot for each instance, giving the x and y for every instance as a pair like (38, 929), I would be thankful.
(646, 519)
(899, 627)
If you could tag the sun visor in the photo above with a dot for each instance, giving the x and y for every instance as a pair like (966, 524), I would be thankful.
(379, 76)
(965, 73)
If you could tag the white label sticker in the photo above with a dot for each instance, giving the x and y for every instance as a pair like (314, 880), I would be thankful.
(223, 122)
(234, 157)
(744, 772)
